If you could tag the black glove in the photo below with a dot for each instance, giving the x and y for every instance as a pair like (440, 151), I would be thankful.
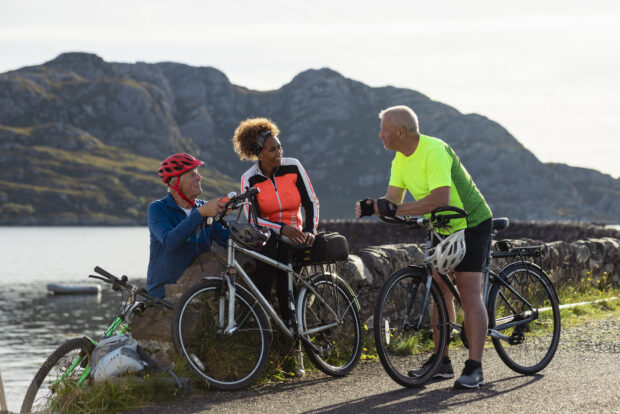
(367, 209)
(386, 207)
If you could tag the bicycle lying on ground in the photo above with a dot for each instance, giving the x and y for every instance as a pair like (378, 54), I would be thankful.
(222, 327)
(69, 363)
(522, 305)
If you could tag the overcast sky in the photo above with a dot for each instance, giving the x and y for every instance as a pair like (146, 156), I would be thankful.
(548, 71)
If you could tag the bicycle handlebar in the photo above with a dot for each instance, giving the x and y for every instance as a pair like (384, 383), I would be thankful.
(234, 201)
(123, 282)
(409, 220)
(440, 220)
(459, 213)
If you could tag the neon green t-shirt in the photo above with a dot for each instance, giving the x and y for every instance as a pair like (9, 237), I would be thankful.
(432, 165)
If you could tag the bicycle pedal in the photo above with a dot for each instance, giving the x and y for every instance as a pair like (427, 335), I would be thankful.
(516, 339)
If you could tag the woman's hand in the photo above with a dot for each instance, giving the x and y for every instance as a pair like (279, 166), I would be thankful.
(309, 239)
(296, 235)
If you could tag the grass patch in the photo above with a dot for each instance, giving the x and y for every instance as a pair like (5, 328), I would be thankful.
(281, 364)
(591, 287)
(120, 395)
(578, 315)
(369, 350)
(17, 130)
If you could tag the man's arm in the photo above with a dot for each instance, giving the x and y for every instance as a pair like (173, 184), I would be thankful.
(439, 197)
(395, 194)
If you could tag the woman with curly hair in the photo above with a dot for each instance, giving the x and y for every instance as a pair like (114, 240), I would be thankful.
(284, 189)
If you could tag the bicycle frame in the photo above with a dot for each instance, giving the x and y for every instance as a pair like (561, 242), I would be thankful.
(233, 268)
(489, 277)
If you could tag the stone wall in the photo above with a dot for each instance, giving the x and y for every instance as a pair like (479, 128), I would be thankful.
(376, 233)
(367, 269)
(567, 264)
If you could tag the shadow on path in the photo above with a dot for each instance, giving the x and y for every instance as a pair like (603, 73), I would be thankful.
(407, 400)
(212, 398)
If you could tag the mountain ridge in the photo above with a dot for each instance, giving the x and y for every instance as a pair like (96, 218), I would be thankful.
(78, 103)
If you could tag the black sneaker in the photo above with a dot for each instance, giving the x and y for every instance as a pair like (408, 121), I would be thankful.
(444, 371)
(470, 378)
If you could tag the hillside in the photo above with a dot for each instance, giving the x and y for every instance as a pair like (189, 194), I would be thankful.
(80, 139)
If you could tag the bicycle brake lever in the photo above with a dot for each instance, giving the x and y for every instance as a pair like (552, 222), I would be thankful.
(100, 278)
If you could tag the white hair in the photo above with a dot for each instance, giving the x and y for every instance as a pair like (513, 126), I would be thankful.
(402, 115)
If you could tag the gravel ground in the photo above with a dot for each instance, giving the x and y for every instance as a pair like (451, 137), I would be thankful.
(584, 377)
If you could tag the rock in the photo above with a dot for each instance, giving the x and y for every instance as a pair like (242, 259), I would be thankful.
(153, 328)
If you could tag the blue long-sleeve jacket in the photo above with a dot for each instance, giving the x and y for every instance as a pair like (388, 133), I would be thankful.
(176, 241)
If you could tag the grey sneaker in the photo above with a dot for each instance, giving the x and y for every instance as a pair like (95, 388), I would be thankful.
(444, 371)
(470, 378)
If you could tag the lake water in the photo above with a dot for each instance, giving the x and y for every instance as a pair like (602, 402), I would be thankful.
(32, 322)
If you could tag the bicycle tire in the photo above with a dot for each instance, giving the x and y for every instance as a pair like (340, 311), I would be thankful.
(403, 348)
(57, 364)
(532, 345)
(335, 351)
(226, 362)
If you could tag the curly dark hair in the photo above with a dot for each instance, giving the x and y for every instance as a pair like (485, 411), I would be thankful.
(247, 134)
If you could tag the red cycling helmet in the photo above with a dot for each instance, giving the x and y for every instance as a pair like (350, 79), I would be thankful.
(176, 165)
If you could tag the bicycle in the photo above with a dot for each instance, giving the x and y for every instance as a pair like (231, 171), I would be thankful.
(222, 328)
(522, 305)
(69, 364)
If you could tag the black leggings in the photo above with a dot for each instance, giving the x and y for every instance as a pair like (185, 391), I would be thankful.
(266, 275)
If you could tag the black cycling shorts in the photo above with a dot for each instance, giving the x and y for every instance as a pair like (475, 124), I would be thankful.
(477, 242)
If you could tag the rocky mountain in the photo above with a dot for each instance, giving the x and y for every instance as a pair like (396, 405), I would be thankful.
(80, 139)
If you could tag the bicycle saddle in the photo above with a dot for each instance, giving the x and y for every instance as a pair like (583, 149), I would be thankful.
(500, 223)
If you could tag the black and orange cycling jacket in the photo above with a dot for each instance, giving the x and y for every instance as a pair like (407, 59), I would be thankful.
(282, 196)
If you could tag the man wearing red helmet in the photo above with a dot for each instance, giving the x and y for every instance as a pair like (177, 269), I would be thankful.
(174, 222)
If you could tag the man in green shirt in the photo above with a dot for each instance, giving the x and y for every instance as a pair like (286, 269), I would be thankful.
(434, 175)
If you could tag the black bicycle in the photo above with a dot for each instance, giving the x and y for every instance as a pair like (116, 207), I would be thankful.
(411, 320)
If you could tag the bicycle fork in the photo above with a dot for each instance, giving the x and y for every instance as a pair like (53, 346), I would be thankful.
(229, 295)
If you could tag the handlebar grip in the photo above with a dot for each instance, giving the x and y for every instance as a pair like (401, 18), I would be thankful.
(105, 273)
(228, 196)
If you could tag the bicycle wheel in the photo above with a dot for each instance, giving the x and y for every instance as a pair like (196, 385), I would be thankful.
(531, 345)
(63, 368)
(335, 350)
(406, 336)
(225, 361)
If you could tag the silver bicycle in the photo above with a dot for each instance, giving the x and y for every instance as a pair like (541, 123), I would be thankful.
(222, 327)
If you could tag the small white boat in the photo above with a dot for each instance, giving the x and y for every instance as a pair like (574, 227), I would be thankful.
(73, 289)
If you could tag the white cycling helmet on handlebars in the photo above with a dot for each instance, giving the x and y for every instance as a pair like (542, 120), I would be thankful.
(448, 253)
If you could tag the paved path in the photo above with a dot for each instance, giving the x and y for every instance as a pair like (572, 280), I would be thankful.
(584, 377)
